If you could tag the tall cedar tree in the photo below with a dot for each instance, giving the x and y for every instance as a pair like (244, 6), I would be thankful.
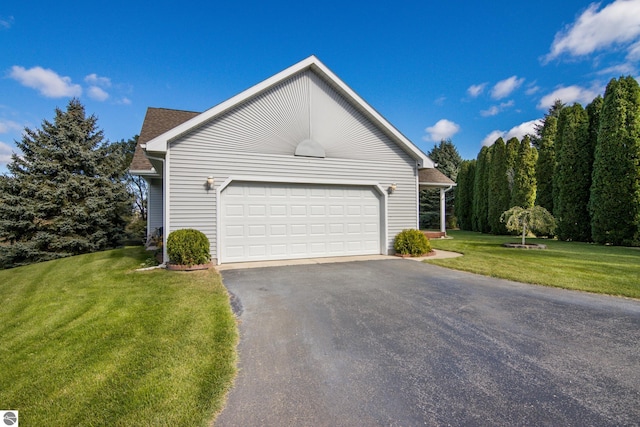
(513, 145)
(615, 189)
(572, 177)
(499, 194)
(524, 182)
(64, 195)
(480, 212)
(547, 157)
(464, 194)
(448, 159)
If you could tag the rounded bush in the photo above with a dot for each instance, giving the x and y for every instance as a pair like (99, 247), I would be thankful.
(188, 247)
(411, 242)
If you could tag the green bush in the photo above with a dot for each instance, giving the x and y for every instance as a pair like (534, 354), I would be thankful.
(411, 242)
(188, 247)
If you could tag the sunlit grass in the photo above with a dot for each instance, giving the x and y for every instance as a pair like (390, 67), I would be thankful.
(572, 265)
(88, 341)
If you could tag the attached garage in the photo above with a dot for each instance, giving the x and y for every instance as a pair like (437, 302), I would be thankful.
(297, 166)
(268, 221)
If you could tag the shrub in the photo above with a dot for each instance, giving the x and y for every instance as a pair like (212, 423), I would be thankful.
(188, 247)
(412, 242)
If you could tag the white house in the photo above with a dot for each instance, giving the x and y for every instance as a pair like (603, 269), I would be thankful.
(297, 166)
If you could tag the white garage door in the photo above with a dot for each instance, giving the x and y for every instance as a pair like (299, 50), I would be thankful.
(269, 221)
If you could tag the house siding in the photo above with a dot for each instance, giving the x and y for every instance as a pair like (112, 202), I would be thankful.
(154, 205)
(258, 139)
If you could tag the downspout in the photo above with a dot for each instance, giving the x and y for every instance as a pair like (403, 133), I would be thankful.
(164, 208)
(443, 213)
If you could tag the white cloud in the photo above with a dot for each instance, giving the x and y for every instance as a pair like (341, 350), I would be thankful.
(505, 87)
(475, 90)
(97, 93)
(6, 23)
(5, 153)
(95, 80)
(443, 129)
(532, 88)
(124, 101)
(8, 126)
(634, 52)
(520, 131)
(616, 24)
(496, 109)
(568, 95)
(46, 81)
(491, 111)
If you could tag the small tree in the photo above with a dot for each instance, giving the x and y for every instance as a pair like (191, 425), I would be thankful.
(536, 219)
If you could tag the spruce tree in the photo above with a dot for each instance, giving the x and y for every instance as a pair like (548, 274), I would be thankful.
(64, 195)
(479, 218)
(464, 194)
(573, 175)
(615, 187)
(524, 183)
(446, 156)
(499, 194)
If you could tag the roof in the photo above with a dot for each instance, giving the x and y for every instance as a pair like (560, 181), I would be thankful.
(434, 178)
(156, 122)
(160, 142)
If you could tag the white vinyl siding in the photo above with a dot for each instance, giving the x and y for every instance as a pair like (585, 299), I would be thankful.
(258, 138)
(154, 205)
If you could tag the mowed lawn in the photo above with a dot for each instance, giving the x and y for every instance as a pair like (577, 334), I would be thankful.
(571, 265)
(89, 341)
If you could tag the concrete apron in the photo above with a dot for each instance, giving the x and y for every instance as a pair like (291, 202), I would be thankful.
(259, 264)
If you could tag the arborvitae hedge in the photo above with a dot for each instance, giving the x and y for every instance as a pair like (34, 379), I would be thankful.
(499, 194)
(572, 178)
(479, 219)
(615, 189)
(464, 194)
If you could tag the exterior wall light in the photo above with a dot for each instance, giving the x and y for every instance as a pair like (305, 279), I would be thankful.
(210, 182)
(392, 188)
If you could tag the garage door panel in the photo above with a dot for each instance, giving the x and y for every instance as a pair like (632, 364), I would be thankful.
(265, 221)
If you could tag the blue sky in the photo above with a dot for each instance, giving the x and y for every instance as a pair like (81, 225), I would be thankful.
(469, 71)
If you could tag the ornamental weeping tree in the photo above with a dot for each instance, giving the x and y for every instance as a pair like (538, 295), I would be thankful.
(536, 219)
(64, 195)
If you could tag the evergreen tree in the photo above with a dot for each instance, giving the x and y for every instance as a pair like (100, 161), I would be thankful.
(64, 195)
(524, 183)
(464, 194)
(499, 195)
(615, 187)
(554, 111)
(546, 163)
(480, 211)
(572, 177)
(513, 145)
(446, 156)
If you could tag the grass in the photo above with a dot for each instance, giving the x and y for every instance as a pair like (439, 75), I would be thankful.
(88, 341)
(571, 265)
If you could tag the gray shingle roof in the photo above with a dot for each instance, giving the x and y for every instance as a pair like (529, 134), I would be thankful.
(156, 122)
(433, 178)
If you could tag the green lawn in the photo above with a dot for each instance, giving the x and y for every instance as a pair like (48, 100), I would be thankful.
(89, 341)
(587, 267)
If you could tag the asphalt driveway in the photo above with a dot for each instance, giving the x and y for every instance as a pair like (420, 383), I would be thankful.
(400, 343)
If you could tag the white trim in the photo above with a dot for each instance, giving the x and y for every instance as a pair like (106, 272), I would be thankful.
(166, 211)
(144, 172)
(437, 185)
(384, 226)
(160, 143)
